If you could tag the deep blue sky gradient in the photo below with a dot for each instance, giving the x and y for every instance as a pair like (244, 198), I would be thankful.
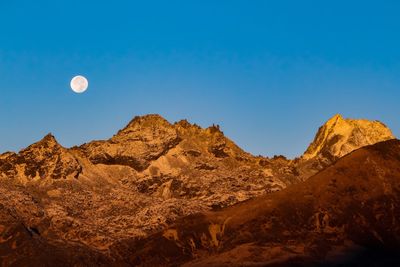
(269, 72)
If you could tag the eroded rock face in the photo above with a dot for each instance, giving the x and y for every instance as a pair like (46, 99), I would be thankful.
(44, 159)
(338, 137)
(144, 139)
(335, 139)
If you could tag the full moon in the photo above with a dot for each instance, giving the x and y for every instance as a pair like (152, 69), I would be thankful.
(79, 84)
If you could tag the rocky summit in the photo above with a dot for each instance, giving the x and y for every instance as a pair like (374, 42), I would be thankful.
(158, 193)
(340, 136)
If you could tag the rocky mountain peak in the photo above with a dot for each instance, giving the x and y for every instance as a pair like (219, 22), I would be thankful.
(340, 136)
(43, 159)
(47, 146)
(144, 139)
(48, 141)
(147, 128)
(146, 121)
(186, 125)
(49, 137)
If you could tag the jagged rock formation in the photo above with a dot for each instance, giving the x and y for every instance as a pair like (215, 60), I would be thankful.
(338, 137)
(44, 159)
(144, 139)
(132, 185)
(182, 160)
(335, 139)
(347, 214)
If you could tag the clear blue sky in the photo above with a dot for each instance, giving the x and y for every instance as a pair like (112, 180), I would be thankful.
(269, 72)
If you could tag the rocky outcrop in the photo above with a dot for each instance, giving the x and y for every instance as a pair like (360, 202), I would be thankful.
(339, 136)
(44, 159)
(335, 139)
(143, 140)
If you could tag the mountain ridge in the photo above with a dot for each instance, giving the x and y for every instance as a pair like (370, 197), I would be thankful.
(132, 185)
(144, 121)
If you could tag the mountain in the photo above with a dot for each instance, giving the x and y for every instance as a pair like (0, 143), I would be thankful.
(87, 200)
(339, 136)
(182, 160)
(347, 214)
(44, 159)
(131, 185)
